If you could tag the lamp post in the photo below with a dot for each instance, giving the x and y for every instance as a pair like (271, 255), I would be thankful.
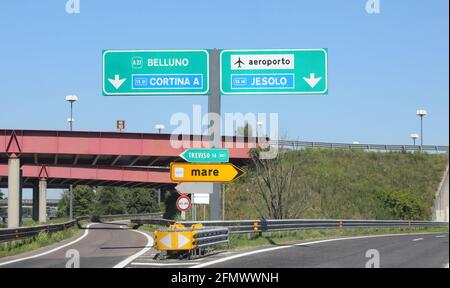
(159, 127)
(414, 137)
(259, 129)
(71, 99)
(421, 113)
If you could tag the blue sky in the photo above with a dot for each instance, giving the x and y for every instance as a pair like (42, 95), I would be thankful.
(381, 67)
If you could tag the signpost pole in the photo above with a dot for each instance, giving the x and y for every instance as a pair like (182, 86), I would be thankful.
(214, 125)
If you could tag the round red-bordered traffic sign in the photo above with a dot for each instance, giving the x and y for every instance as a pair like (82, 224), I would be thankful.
(183, 203)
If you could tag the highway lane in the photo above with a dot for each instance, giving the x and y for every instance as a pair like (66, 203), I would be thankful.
(405, 251)
(102, 246)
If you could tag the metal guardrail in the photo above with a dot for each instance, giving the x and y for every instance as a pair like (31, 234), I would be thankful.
(153, 221)
(127, 216)
(29, 232)
(212, 236)
(248, 226)
(368, 147)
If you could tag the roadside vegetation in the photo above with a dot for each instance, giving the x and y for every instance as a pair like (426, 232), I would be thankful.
(2, 211)
(311, 183)
(109, 201)
(31, 223)
(43, 239)
(338, 184)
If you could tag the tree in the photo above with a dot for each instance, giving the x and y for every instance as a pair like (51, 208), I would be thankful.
(171, 207)
(277, 196)
(110, 201)
(245, 131)
(1, 198)
(83, 201)
(140, 200)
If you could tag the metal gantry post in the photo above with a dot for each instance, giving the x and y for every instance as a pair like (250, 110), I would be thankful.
(71, 186)
(214, 113)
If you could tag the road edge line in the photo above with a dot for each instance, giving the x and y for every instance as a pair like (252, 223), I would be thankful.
(299, 244)
(133, 257)
(86, 232)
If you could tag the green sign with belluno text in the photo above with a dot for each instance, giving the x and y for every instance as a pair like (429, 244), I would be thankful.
(155, 72)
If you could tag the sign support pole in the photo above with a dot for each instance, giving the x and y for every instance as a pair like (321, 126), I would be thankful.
(214, 114)
(194, 210)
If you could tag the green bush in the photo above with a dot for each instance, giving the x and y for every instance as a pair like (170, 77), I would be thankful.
(402, 204)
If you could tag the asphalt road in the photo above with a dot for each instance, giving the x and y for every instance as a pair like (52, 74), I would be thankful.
(114, 245)
(415, 250)
(411, 251)
(103, 246)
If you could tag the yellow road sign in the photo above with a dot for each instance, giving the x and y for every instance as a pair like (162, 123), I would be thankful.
(191, 172)
(174, 240)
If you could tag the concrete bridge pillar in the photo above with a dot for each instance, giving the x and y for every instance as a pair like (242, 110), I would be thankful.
(43, 200)
(14, 204)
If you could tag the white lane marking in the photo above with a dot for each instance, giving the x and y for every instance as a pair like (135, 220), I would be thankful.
(86, 232)
(147, 248)
(440, 236)
(417, 239)
(293, 245)
(162, 264)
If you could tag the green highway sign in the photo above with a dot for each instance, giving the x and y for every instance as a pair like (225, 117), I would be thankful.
(274, 71)
(206, 155)
(155, 72)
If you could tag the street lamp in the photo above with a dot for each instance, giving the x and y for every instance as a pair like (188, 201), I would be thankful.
(421, 113)
(259, 128)
(159, 127)
(414, 137)
(71, 99)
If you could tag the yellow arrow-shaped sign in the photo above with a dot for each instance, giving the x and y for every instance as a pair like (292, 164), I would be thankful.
(191, 172)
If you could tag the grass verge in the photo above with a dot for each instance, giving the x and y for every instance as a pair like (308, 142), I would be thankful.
(238, 241)
(43, 239)
(31, 223)
(148, 228)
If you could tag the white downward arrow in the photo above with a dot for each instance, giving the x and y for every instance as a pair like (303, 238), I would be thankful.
(312, 80)
(117, 82)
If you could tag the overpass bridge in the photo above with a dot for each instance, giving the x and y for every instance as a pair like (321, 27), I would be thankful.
(42, 159)
(28, 203)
